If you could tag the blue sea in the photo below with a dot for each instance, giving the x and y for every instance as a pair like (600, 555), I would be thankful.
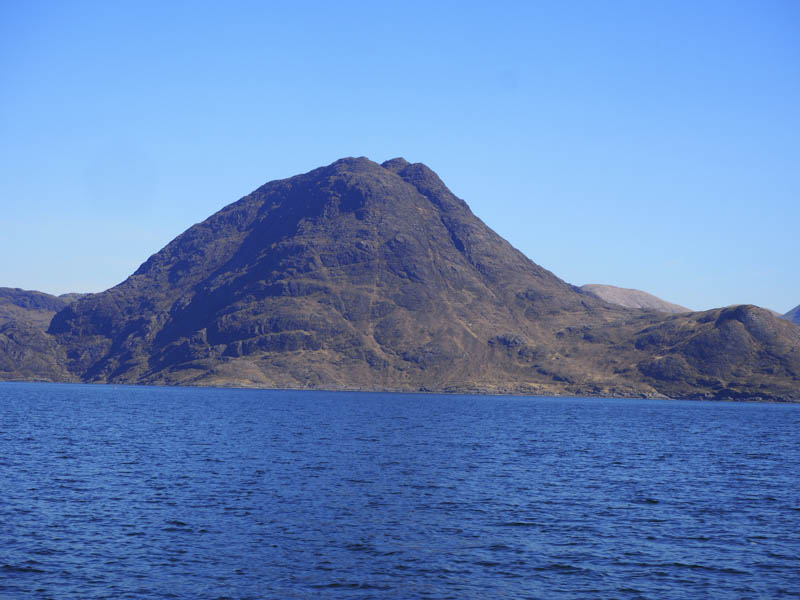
(156, 493)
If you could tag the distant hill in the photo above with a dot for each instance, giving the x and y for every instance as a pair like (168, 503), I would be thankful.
(361, 275)
(72, 297)
(26, 351)
(33, 307)
(793, 315)
(632, 298)
(36, 308)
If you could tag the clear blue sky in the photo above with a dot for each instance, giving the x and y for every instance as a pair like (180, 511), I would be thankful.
(653, 145)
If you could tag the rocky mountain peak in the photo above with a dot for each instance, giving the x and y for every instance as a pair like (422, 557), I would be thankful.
(395, 164)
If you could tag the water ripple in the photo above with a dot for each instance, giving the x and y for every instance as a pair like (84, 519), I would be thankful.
(153, 493)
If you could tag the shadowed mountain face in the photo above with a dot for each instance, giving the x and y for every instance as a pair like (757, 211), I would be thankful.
(360, 275)
(632, 298)
(793, 315)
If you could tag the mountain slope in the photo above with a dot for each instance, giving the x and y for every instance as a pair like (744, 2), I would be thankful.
(30, 306)
(360, 275)
(793, 315)
(632, 298)
(26, 351)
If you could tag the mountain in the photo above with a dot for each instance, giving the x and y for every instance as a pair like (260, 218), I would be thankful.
(353, 275)
(632, 298)
(33, 307)
(26, 351)
(367, 276)
(793, 315)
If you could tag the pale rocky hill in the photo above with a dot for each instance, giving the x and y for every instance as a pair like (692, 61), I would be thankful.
(632, 298)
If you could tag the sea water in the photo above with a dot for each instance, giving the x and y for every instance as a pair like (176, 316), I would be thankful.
(153, 493)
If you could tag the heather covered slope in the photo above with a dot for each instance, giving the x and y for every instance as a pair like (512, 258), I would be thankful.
(360, 275)
(27, 353)
(738, 352)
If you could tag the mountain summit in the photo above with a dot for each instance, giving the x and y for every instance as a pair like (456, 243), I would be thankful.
(361, 275)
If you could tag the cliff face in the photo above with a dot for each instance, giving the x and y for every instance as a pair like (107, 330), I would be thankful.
(360, 275)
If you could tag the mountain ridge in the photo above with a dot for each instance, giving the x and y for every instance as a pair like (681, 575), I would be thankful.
(32, 306)
(360, 275)
(793, 315)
